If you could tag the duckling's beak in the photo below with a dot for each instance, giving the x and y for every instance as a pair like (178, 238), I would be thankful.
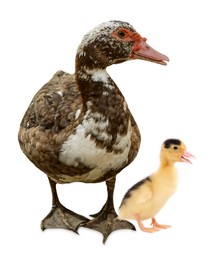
(186, 156)
(143, 51)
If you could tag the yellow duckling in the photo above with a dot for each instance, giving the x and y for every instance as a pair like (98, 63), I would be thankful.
(145, 199)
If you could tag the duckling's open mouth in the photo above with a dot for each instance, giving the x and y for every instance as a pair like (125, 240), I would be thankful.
(186, 156)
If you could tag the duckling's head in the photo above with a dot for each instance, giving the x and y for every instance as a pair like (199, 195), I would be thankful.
(174, 150)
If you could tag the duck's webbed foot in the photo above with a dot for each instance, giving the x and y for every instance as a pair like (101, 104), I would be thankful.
(61, 217)
(106, 221)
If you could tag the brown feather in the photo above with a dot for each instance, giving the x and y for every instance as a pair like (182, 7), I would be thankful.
(50, 119)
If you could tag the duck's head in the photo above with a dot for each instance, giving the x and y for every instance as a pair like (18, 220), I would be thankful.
(174, 150)
(114, 42)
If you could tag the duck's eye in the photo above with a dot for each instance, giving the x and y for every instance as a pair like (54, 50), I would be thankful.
(175, 147)
(121, 34)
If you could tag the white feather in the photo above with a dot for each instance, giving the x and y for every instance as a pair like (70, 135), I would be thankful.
(80, 148)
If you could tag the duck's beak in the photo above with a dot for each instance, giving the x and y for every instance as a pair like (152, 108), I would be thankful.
(186, 156)
(141, 50)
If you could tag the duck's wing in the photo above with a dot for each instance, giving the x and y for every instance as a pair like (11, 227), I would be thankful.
(55, 106)
(52, 116)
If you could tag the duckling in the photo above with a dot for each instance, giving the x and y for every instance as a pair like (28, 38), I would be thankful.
(145, 199)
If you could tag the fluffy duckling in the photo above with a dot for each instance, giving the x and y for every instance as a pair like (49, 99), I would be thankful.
(145, 199)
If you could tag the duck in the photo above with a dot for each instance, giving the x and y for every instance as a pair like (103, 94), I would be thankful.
(146, 198)
(78, 127)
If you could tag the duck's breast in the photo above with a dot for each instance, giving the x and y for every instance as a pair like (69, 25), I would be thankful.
(90, 145)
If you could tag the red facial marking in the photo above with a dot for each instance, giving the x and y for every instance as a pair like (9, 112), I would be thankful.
(122, 34)
(128, 36)
(137, 37)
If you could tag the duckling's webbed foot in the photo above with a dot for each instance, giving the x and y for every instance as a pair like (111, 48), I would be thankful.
(155, 224)
(106, 221)
(61, 217)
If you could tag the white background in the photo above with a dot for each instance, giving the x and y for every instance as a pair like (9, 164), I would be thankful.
(40, 37)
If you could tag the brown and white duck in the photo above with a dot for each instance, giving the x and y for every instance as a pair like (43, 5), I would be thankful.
(145, 199)
(78, 127)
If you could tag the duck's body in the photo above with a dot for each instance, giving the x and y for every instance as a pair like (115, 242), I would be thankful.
(145, 199)
(70, 144)
(78, 128)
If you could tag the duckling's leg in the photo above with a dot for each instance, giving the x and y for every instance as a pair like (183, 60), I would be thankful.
(59, 216)
(143, 228)
(106, 220)
(155, 224)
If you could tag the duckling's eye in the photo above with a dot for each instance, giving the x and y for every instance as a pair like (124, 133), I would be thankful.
(175, 147)
(121, 34)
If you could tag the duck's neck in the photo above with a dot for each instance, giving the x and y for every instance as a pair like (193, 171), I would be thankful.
(102, 100)
(95, 86)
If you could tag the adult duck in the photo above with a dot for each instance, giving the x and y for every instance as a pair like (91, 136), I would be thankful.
(78, 127)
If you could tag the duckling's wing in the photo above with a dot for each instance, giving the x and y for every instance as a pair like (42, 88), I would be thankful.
(143, 194)
(138, 193)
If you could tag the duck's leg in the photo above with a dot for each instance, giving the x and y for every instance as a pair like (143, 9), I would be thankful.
(155, 224)
(106, 221)
(61, 217)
